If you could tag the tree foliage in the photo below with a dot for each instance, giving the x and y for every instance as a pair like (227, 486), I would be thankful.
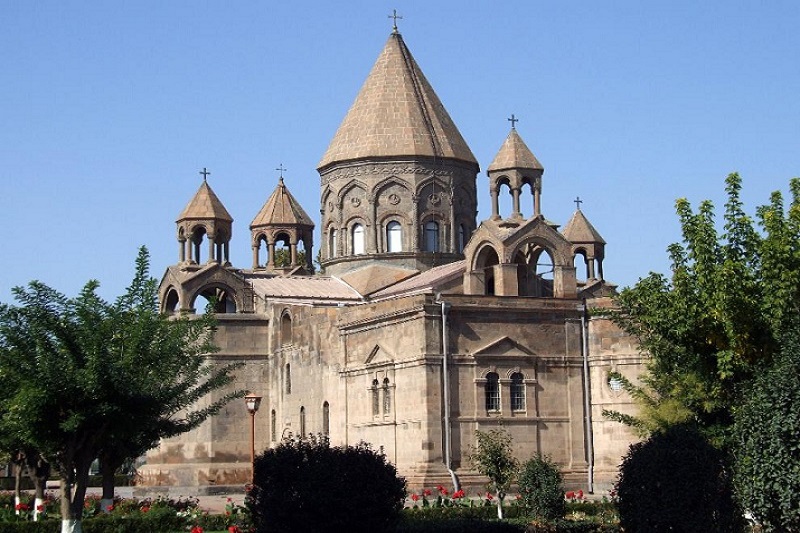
(307, 485)
(676, 481)
(717, 319)
(493, 457)
(767, 452)
(542, 488)
(84, 378)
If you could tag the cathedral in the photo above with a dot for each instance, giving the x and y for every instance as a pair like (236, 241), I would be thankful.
(419, 325)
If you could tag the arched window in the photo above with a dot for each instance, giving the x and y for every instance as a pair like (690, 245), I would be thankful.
(492, 392)
(302, 422)
(288, 377)
(286, 329)
(358, 239)
(394, 237)
(517, 392)
(462, 237)
(326, 419)
(376, 402)
(387, 397)
(273, 426)
(332, 251)
(431, 237)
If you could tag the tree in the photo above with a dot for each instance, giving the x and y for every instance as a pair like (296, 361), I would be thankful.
(82, 375)
(542, 488)
(717, 320)
(308, 485)
(767, 426)
(493, 457)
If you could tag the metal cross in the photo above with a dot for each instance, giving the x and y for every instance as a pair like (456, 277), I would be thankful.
(394, 16)
(513, 120)
(578, 202)
(281, 169)
(205, 173)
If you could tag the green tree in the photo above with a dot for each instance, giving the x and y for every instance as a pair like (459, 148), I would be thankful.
(767, 462)
(81, 375)
(493, 457)
(715, 322)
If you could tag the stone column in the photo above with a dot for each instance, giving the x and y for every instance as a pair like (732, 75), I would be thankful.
(255, 255)
(293, 252)
(270, 254)
(181, 250)
(495, 203)
(210, 238)
(515, 198)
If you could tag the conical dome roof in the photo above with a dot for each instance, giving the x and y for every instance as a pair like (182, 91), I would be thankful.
(514, 154)
(281, 209)
(396, 113)
(205, 205)
(580, 230)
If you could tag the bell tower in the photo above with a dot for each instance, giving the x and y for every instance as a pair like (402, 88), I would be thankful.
(204, 218)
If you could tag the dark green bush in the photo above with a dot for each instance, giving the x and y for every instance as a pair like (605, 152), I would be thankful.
(676, 481)
(766, 430)
(542, 489)
(307, 485)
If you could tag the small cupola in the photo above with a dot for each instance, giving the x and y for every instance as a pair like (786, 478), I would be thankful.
(586, 241)
(204, 218)
(282, 221)
(514, 166)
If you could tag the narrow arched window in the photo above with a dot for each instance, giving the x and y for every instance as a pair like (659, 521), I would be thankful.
(387, 397)
(288, 377)
(376, 402)
(302, 422)
(273, 426)
(492, 392)
(394, 237)
(462, 237)
(286, 329)
(326, 419)
(358, 239)
(431, 237)
(332, 252)
(517, 392)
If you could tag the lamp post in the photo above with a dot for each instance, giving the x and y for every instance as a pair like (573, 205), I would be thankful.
(252, 402)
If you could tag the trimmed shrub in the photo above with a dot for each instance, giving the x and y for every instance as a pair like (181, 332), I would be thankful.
(766, 430)
(542, 489)
(676, 481)
(307, 485)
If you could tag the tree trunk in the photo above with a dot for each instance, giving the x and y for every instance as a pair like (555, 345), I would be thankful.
(107, 499)
(69, 524)
(17, 466)
(500, 497)
(39, 472)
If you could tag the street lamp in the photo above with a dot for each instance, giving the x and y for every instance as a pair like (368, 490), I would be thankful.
(252, 402)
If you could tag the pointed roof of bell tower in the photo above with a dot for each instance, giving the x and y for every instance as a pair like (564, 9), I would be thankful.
(396, 113)
(580, 230)
(514, 154)
(282, 209)
(205, 205)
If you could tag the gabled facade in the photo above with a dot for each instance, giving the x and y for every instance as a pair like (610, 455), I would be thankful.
(424, 326)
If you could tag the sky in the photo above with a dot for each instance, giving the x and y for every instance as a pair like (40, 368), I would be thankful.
(109, 110)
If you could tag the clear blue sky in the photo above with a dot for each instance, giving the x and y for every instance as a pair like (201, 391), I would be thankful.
(109, 110)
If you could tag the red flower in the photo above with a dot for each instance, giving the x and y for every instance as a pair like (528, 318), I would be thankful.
(489, 496)
(580, 494)
(110, 508)
(40, 508)
(570, 495)
(197, 529)
(22, 507)
(145, 509)
(426, 492)
(458, 494)
(414, 497)
(234, 529)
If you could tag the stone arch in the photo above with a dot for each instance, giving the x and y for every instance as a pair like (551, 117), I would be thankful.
(406, 228)
(348, 188)
(227, 300)
(386, 183)
(325, 199)
(332, 239)
(171, 301)
(484, 262)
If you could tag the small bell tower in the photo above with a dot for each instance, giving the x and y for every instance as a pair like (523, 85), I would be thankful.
(204, 218)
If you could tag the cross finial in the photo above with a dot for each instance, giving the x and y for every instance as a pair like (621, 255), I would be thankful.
(204, 173)
(394, 16)
(513, 120)
(578, 202)
(281, 169)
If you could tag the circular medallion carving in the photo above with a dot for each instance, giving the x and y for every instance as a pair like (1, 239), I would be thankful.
(355, 202)
(394, 199)
(434, 199)
(330, 206)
